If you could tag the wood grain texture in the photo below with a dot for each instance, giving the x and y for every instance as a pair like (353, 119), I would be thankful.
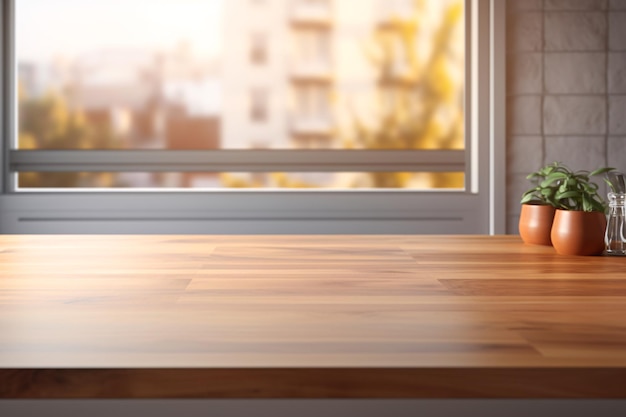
(307, 317)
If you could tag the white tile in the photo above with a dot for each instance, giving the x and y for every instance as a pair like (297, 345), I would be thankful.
(524, 115)
(575, 73)
(617, 31)
(575, 31)
(574, 115)
(617, 73)
(524, 32)
(524, 154)
(524, 73)
(516, 185)
(616, 4)
(617, 115)
(512, 224)
(617, 153)
(513, 6)
(577, 153)
(576, 4)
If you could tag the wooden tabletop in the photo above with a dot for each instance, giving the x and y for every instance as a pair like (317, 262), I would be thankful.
(308, 317)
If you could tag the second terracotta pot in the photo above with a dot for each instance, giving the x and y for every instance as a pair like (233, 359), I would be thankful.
(535, 224)
(578, 232)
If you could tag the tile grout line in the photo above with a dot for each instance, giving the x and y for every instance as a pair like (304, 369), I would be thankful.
(543, 81)
(606, 80)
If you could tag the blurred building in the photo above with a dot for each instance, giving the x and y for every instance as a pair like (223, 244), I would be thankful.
(149, 100)
(254, 73)
(140, 93)
(278, 60)
(297, 71)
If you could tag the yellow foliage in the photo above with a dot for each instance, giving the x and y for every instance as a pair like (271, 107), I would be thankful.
(455, 13)
(421, 107)
(441, 81)
(431, 135)
(49, 123)
(27, 141)
(282, 180)
(447, 180)
(29, 179)
(59, 115)
(232, 181)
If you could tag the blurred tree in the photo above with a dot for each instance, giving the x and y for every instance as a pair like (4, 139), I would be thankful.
(48, 123)
(419, 99)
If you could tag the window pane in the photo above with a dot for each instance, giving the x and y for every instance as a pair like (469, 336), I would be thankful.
(118, 73)
(212, 180)
(240, 74)
(258, 49)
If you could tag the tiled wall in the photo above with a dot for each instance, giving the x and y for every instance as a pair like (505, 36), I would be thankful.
(566, 88)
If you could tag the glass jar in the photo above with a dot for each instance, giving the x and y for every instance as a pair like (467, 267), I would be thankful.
(615, 236)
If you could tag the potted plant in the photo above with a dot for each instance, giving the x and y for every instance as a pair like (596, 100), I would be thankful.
(580, 221)
(538, 207)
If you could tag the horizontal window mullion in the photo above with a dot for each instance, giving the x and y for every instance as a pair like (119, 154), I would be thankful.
(237, 161)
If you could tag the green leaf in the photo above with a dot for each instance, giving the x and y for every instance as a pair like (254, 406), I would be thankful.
(533, 175)
(526, 198)
(557, 176)
(546, 171)
(598, 203)
(562, 204)
(587, 206)
(552, 178)
(568, 194)
(610, 184)
(531, 191)
(600, 171)
(590, 187)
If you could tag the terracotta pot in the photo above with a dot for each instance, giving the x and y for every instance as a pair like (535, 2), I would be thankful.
(578, 232)
(535, 224)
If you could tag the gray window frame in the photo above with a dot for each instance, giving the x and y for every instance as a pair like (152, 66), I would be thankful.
(477, 209)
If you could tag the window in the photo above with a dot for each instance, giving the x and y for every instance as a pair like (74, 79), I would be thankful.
(258, 105)
(311, 123)
(312, 102)
(258, 49)
(316, 11)
(313, 50)
(147, 105)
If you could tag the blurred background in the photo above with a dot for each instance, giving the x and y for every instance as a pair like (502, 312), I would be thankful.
(241, 74)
